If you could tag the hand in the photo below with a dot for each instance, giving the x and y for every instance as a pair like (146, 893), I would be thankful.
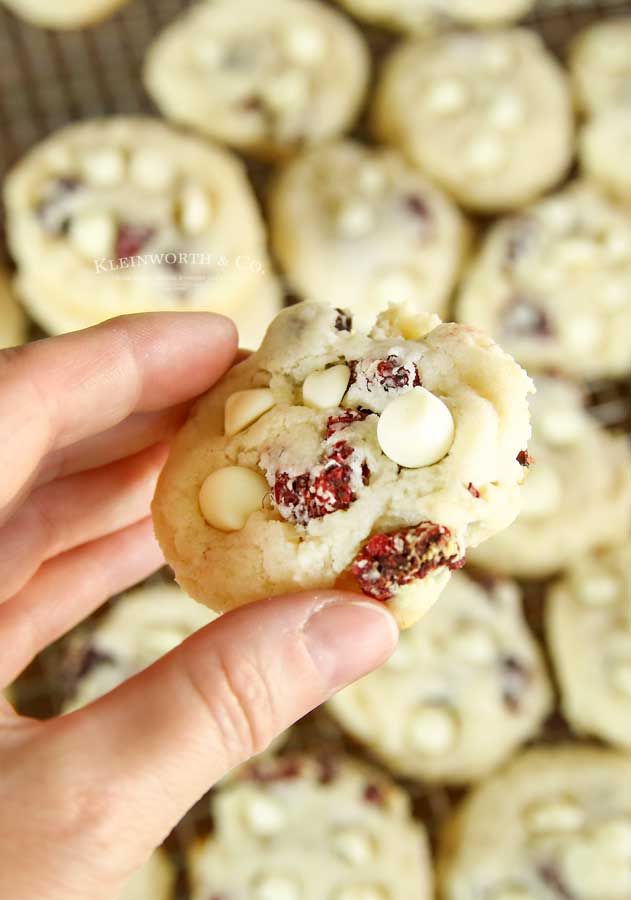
(84, 421)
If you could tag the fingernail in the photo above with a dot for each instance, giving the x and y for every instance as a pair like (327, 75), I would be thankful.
(348, 639)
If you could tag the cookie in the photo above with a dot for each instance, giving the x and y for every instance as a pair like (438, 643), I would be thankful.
(473, 659)
(600, 65)
(474, 109)
(359, 227)
(577, 494)
(337, 456)
(13, 324)
(125, 215)
(588, 629)
(551, 285)
(68, 14)
(425, 16)
(268, 78)
(604, 150)
(154, 881)
(300, 829)
(555, 825)
(141, 627)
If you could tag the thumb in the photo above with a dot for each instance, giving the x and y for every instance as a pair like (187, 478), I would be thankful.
(166, 735)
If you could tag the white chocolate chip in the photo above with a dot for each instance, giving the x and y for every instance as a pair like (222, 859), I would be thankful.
(325, 389)
(245, 407)
(93, 234)
(354, 846)
(395, 285)
(355, 219)
(474, 644)
(151, 170)
(360, 892)
(486, 154)
(104, 167)
(416, 429)
(582, 333)
(620, 677)
(542, 493)
(446, 96)
(229, 496)
(288, 92)
(305, 44)
(276, 887)
(599, 589)
(554, 816)
(371, 178)
(265, 817)
(433, 730)
(496, 57)
(561, 426)
(507, 112)
(195, 210)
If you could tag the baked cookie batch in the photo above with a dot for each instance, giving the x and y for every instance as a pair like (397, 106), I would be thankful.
(365, 444)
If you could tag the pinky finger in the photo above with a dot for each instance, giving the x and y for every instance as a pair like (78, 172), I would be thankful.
(70, 587)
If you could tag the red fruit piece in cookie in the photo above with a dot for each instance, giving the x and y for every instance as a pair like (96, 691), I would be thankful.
(344, 419)
(389, 561)
(131, 239)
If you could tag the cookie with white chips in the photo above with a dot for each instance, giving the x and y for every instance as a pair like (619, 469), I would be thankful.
(472, 110)
(154, 881)
(301, 829)
(473, 660)
(359, 227)
(578, 492)
(604, 150)
(267, 78)
(600, 65)
(425, 16)
(123, 215)
(142, 626)
(551, 285)
(13, 324)
(340, 456)
(555, 824)
(64, 15)
(588, 629)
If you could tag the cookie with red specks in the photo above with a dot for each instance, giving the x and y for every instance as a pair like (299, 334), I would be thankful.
(554, 825)
(339, 456)
(65, 15)
(298, 828)
(125, 215)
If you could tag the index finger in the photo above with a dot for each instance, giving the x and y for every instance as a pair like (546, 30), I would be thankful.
(61, 390)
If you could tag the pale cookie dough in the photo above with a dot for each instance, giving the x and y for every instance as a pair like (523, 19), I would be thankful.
(473, 110)
(63, 14)
(141, 627)
(154, 881)
(334, 456)
(588, 627)
(267, 78)
(358, 227)
(13, 324)
(552, 285)
(125, 215)
(429, 15)
(577, 494)
(605, 150)
(555, 825)
(472, 661)
(600, 65)
(301, 829)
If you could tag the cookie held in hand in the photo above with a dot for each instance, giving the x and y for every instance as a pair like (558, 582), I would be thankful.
(334, 457)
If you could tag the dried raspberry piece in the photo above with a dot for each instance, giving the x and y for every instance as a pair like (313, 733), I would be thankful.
(344, 419)
(344, 321)
(131, 239)
(389, 373)
(473, 490)
(389, 561)
(523, 318)
(525, 459)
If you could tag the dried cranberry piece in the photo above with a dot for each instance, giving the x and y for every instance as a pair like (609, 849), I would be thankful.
(344, 320)
(523, 318)
(551, 877)
(473, 490)
(525, 459)
(515, 679)
(389, 374)
(374, 794)
(344, 419)
(389, 561)
(131, 239)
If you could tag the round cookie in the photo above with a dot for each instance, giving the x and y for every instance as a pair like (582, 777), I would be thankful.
(124, 215)
(473, 659)
(300, 829)
(141, 627)
(154, 881)
(605, 148)
(556, 824)
(473, 109)
(63, 14)
(429, 15)
(13, 324)
(552, 286)
(358, 227)
(577, 494)
(335, 456)
(600, 65)
(266, 78)
(588, 628)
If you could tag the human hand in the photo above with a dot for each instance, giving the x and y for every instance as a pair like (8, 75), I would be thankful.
(85, 421)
